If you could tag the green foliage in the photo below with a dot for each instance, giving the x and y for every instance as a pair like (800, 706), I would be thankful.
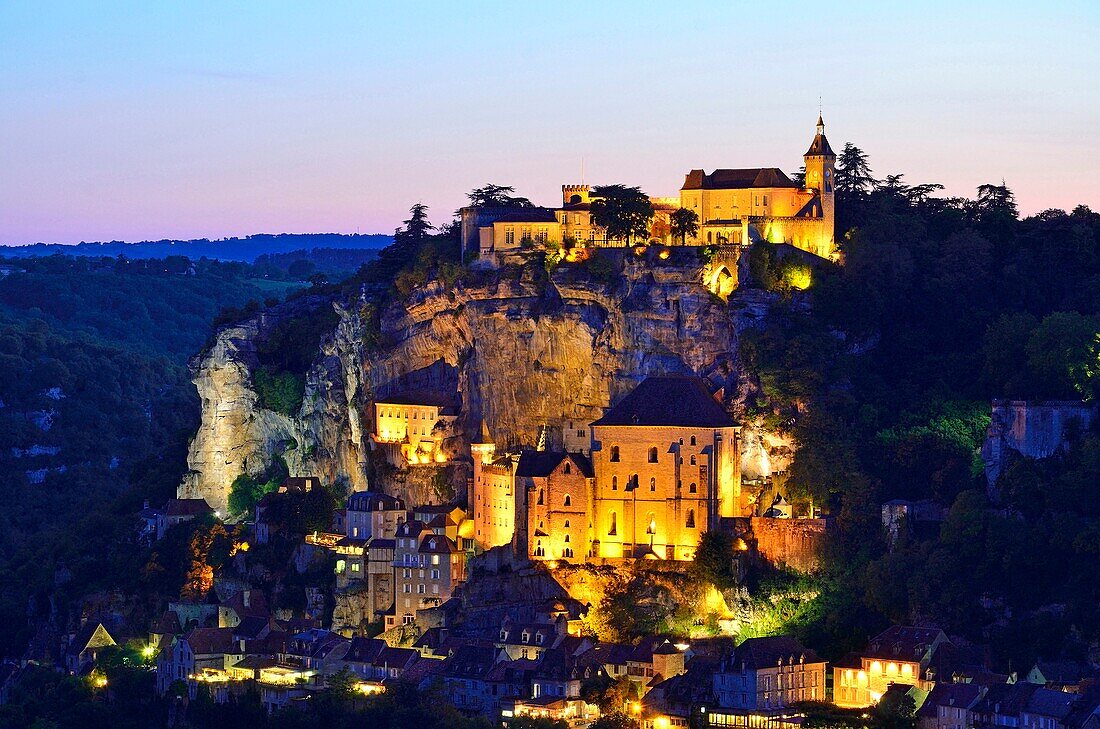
(532, 722)
(684, 224)
(615, 720)
(246, 492)
(278, 391)
(714, 559)
(624, 212)
(600, 267)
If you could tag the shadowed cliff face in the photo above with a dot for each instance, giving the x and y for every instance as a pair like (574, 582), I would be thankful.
(522, 351)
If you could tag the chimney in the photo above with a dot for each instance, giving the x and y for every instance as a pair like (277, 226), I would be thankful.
(246, 598)
(145, 504)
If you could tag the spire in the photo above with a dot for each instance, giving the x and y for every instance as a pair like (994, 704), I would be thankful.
(485, 437)
(820, 146)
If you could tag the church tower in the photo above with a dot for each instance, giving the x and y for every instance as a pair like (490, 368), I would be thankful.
(820, 164)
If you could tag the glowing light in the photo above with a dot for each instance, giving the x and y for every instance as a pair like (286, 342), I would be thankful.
(149, 650)
(798, 277)
(661, 722)
(636, 708)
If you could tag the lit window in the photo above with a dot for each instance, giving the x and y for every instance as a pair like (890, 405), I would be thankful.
(653, 454)
(692, 488)
(615, 454)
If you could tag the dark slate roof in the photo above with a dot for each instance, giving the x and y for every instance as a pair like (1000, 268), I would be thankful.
(669, 400)
(902, 642)
(820, 147)
(1048, 702)
(737, 179)
(529, 215)
(212, 641)
(956, 695)
(168, 624)
(1063, 671)
(436, 544)
(374, 501)
(364, 650)
(1006, 699)
(540, 464)
(767, 652)
(187, 507)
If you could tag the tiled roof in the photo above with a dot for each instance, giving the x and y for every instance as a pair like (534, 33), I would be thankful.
(820, 147)
(529, 215)
(364, 650)
(437, 544)
(957, 695)
(540, 464)
(168, 623)
(768, 652)
(738, 179)
(187, 507)
(211, 641)
(669, 400)
(374, 501)
(902, 642)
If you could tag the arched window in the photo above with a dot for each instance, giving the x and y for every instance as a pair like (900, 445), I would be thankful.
(652, 484)
(691, 519)
(567, 552)
(681, 441)
(613, 525)
(650, 523)
(539, 551)
(568, 502)
(614, 454)
(692, 488)
(693, 459)
(653, 454)
(567, 539)
(568, 468)
(566, 523)
(693, 440)
(540, 497)
(614, 483)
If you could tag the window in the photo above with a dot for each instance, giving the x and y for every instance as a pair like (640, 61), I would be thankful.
(566, 523)
(510, 236)
(652, 484)
(693, 462)
(614, 483)
(691, 519)
(567, 552)
(693, 440)
(435, 574)
(651, 523)
(692, 488)
(541, 501)
(420, 589)
(613, 525)
(568, 468)
(568, 502)
(614, 454)
(653, 454)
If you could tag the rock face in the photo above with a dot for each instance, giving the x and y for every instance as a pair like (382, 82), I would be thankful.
(522, 349)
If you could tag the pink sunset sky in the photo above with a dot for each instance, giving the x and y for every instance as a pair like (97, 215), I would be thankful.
(136, 121)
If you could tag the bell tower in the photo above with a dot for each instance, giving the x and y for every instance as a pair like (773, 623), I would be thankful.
(820, 169)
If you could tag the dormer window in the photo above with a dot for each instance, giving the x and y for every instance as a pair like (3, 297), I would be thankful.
(504, 635)
(538, 638)
(525, 637)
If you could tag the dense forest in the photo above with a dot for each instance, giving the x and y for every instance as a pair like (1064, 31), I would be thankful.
(245, 249)
(942, 305)
(96, 408)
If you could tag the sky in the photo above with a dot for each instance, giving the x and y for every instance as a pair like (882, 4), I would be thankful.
(149, 120)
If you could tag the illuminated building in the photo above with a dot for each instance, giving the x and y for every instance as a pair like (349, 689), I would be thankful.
(899, 655)
(410, 429)
(554, 510)
(736, 207)
(427, 565)
(769, 673)
(667, 467)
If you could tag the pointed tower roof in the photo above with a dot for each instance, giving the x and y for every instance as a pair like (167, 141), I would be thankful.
(485, 437)
(820, 146)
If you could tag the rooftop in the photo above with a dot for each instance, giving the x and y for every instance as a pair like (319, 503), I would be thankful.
(681, 401)
(738, 179)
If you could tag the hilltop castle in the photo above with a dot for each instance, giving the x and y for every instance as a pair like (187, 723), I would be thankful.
(736, 207)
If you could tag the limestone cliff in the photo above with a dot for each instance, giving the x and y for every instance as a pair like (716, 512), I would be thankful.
(522, 348)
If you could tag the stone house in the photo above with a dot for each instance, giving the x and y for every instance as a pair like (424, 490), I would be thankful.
(949, 705)
(554, 491)
(898, 655)
(769, 673)
(667, 467)
(85, 645)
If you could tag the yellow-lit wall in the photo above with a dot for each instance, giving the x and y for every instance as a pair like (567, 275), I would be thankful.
(657, 512)
(565, 525)
(856, 688)
(494, 504)
(410, 425)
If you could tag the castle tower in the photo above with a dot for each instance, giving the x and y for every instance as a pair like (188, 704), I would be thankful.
(820, 164)
(574, 194)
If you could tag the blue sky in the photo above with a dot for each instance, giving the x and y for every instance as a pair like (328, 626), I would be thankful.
(206, 119)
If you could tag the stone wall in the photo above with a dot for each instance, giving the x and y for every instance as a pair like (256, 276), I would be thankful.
(795, 543)
(1031, 429)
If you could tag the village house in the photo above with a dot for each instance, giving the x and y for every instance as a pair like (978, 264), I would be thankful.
(178, 511)
(554, 490)
(898, 655)
(85, 645)
(427, 567)
(265, 527)
(769, 673)
(949, 706)
(202, 649)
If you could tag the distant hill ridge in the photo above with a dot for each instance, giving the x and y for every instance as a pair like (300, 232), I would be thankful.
(228, 249)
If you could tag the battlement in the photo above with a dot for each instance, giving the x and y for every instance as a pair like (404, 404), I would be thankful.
(574, 194)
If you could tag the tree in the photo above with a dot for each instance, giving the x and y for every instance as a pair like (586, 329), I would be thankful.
(491, 195)
(1064, 354)
(417, 228)
(853, 172)
(995, 200)
(624, 212)
(615, 720)
(714, 559)
(341, 685)
(685, 223)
